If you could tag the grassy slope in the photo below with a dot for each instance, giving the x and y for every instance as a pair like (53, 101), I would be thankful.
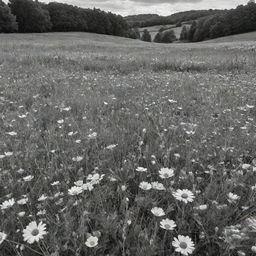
(134, 95)
(235, 38)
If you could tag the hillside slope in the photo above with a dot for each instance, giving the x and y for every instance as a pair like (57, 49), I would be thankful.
(251, 36)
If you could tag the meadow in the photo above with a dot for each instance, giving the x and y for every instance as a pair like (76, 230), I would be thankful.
(111, 146)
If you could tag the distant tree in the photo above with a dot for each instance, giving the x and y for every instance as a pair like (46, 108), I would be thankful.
(30, 16)
(66, 17)
(192, 31)
(184, 34)
(158, 37)
(168, 36)
(134, 33)
(146, 36)
(8, 22)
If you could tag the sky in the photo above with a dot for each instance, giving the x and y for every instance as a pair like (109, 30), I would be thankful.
(161, 7)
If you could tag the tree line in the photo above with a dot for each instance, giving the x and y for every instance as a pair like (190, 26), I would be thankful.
(28, 16)
(147, 20)
(234, 21)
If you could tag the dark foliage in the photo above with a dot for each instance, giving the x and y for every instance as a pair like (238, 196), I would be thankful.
(165, 37)
(66, 17)
(146, 36)
(8, 22)
(184, 34)
(33, 16)
(146, 20)
(235, 21)
(30, 16)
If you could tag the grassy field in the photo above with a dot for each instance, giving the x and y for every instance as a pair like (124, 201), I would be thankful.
(121, 147)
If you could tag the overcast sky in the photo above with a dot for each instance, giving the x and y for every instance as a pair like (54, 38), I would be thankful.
(162, 7)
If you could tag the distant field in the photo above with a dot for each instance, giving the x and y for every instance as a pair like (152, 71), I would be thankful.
(120, 146)
(154, 30)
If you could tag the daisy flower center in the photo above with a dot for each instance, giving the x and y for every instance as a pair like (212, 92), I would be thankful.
(35, 232)
(167, 226)
(184, 195)
(183, 245)
(92, 243)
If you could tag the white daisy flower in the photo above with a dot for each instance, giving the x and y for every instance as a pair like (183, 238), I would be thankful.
(167, 224)
(2, 237)
(166, 173)
(141, 169)
(184, 195)
(88, 186)
(79, 183)
(33, 232)
(145, 185)
(22, 201)
(184, 245)
(7, 204)
(95, 178)
(43, 197)
(92, 241)
(74, 191)
(77, 159)
(157, 211)
(28, 178)
(157, 185)
(232, 198)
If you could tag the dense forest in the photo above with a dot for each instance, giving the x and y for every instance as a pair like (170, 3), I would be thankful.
(234, 21)
(28, 16)
(146, 20)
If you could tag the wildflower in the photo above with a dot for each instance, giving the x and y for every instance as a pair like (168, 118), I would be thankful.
(55, 183)
(12, 133)
(184, 195)
(88, 186)
(43, 197)
(167, 224)
(74, 191)
(141, 169)
(95, 178)
(92, 241)
(157, 185)
(145, 185)
(166, 173)
(253, 248)
(79, 183)
(77, 159)
(158, 212)
(92, 135)
(8, 153)
(28, 178)
(22, 201)
(111, 147)
(33, 232)
(21, 214)
(202, 207)
(232, 198)
(61, 121)
(183, 245)
(7, 204)
(20, 171)
(2, 237)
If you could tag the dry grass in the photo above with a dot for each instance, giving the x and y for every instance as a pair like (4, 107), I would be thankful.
(119, 104)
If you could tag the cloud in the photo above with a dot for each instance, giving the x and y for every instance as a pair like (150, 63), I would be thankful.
(162, 7)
